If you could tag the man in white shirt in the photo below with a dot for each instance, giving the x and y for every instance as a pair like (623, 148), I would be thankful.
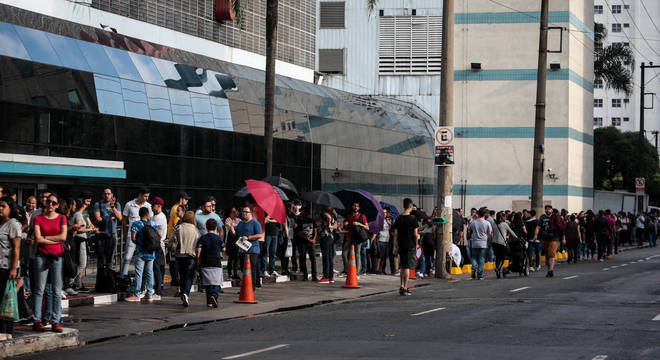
(130, 215)
(159, 266)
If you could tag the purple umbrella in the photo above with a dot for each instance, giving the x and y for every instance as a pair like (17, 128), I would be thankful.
(369, 206)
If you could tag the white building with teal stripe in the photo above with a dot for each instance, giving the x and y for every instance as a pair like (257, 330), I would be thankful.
(494, 106)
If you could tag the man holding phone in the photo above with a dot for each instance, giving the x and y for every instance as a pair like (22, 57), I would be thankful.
(106, 213)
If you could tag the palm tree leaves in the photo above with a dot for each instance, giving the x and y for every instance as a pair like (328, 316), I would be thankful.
(614, 64)
(371, 5)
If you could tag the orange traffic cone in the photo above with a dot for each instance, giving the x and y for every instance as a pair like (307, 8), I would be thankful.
(351, 277)
(247, 295)
(412, 273)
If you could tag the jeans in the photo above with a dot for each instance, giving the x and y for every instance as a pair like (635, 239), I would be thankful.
(212, 291)
(478, 259)
(294, 255)
(186, 266)
(358, 260)
(307, 248)
(159, 272)
(535, 250)
(328, 256)
(268, 250)
(128, 256)
(44, 268)
(345, 249)
(490, 255)
(148, 267)
(651, 239)
(82, 264)
(602, 243)
(363, 263)
(6, 326)
(500, 255)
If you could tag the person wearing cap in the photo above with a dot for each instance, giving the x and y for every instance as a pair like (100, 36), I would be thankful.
(159, 266)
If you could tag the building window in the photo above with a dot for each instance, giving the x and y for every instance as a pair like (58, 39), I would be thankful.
(626, 44)
(626, 25)
(627, 7)
(331, 61)
(616, 121)
(598, 103)
(598, 9)
(332, 14)
(616, 27)
(626, 101)
(410, 45)
(626, 119)
(616, 9)
(598, 84)
(598, 121)
(616, 103)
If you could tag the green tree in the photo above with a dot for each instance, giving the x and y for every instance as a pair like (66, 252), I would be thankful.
(618, 160)
(614, 64)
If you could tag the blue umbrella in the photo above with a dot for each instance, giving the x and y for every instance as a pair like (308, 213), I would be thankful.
(394, 212)
(369, 206)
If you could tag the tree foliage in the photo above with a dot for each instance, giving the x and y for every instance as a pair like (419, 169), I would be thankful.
(614, 64)
(618, 160)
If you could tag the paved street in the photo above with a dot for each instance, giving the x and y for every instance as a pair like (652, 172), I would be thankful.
(588, 311)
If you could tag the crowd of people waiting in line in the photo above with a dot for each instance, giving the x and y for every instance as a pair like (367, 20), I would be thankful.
(43, 244)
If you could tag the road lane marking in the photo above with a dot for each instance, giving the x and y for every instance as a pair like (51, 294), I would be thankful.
(656, 318)
(605, 269)
(600, 357)
(615, 266)
(255, 352)
(427, 311)
(570, 277)
(520, 289)
(624, 264)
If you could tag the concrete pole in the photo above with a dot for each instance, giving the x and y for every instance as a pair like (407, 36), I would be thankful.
(445, 173)
(269, 101)
(539, 126)
(642, 171)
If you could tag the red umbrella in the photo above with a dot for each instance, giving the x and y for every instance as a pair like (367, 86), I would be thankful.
(268, 199)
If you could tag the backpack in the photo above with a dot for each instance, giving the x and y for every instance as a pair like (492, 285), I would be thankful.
(546, 227)
(106, 281)
(150, 238)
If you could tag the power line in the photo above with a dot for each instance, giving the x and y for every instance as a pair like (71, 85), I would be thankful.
(649, 15)
(630, 41)
(640, 31)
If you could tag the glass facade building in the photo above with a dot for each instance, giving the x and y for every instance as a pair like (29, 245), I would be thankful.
(179, 120)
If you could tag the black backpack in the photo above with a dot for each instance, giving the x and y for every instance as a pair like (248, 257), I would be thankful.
(150, 238)
(106, 280)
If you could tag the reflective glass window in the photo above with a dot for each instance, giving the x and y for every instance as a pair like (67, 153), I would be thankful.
(74, 99)
(169, 74)
(109, 95)
(202, 113)
(38, 46)
(96, 58)
(193, 77)
(68, 52)
(135, 99)
(181, 107)
(11, 43)
(122, 63)
(158, 99)
(221, 114)
(147, 69)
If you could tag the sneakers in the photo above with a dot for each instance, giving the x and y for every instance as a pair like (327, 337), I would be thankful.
(549, 274)
(57, 327)
(156, 297)
(214, 302)
(404, 292)
(69, 291)
(38, 326)
(331, 280)
(324, 281)
(148, 298)
(497, 272)
(532, 269)
(474, 274)
(265, 274)
(184, 300)
(275, 274)
(132, 298)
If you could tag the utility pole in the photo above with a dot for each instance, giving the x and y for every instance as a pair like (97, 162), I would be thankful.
(539, 126)
(269, 101)
(642, 137)
(445, 173)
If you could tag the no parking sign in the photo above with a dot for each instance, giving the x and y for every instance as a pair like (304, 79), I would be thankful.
(444, 146)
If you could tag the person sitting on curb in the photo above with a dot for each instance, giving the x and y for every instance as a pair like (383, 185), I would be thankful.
(209, 260)
(144, 261)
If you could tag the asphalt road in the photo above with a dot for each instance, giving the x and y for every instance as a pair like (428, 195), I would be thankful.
(594, 310)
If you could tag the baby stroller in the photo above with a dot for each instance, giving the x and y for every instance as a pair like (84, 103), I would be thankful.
(518, 261)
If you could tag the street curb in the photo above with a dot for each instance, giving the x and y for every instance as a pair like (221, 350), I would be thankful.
(37, 342)
(278, 310)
